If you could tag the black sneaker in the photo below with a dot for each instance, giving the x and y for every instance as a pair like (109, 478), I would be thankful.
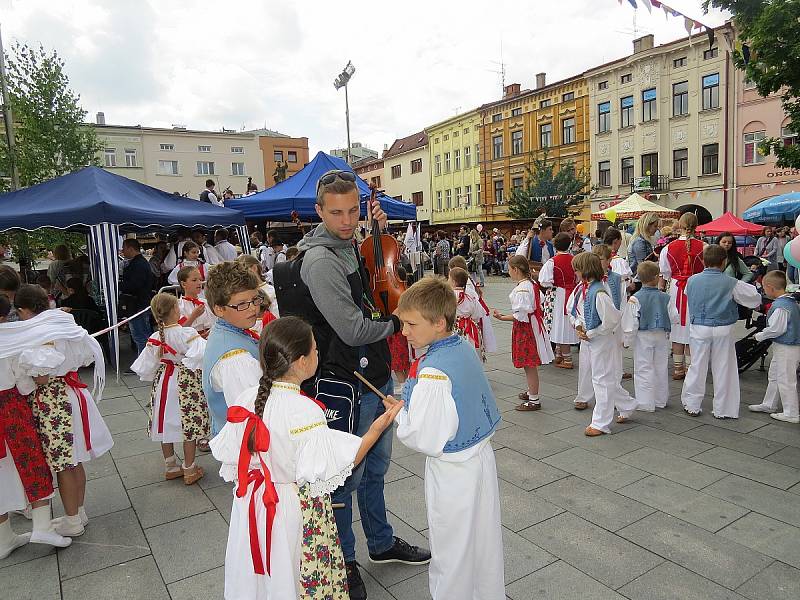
(355, 584)
(402, 552)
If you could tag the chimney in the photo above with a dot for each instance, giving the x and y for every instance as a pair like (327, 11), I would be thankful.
(643, 43)
(511, 90)
(101, 118)
(541, 79)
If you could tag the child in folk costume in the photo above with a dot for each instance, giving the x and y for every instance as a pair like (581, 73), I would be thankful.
(468, 310)
(267, 288)
(265, 317)
(69, 425)
(613, 239)
(190, 258)
(646, 323)
(678, 262)
(530, 345)
(283, 541)
(557, 273)
(25, 477)
(178, 412)
(712, 297)
(485, 322)
(783, 328)
(596, 318)
(615, 285)
(195, 313)
(451, 416)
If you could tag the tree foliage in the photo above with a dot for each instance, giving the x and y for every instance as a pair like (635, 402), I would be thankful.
(547, 187)
(770, 56)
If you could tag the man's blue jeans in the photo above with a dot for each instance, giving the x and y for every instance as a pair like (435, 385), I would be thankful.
(367, 478)
(140, 331)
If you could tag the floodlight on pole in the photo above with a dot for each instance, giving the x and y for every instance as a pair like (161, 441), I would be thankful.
(341, 82)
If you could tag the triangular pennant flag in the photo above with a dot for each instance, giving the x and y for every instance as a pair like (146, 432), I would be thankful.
(688, 24)
(633, 3)
(698, 25)
(648, 6)
(656, 3)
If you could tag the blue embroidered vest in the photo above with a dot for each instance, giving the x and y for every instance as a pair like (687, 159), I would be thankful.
(223, 338)
(535, 249)
(590, 315)
(653, 309)
(478, 416)
(614, 281)
(710, 297)
(792, 335)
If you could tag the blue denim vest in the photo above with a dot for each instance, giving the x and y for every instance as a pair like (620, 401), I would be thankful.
(223, 338)
(653, 309)
(614, 281)
(792, 335)
(590, 314)
(710, 298)
(478, 416)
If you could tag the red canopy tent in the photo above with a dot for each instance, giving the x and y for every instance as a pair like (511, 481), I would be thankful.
(732, 224)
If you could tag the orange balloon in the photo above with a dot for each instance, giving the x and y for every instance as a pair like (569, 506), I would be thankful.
(581, 228)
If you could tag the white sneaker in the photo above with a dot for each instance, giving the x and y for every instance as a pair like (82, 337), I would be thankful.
(785, 418)
(63, 527)
(51, 538)
(760, 408)
(643, 408)
(84, 518)
(19, 540)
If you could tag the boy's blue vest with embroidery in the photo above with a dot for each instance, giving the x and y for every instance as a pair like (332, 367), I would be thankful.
(710, 297)
(653, 309)
(614, 281)
(478, 416)
(223, 338)
(792, 335)
(590, 315)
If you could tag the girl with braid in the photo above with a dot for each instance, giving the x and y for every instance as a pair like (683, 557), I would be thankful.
(172, 360)
(277, 447)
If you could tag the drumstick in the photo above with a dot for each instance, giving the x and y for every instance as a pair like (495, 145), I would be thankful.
(363, 379)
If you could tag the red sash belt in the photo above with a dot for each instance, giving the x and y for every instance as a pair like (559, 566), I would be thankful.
(239, 414)
(73, 381)
(470, 329)
(681, 300)
(3, 393)
(162, 404)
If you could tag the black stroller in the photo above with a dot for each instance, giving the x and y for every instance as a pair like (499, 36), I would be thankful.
(748, 349)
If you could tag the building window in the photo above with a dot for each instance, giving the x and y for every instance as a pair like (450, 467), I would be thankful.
(627, 170)
(477, 193)
(292, 156)
(166, 147)
(498, 191)
(751, 154)
(457, 159)
(568, 131)
(130, 158)
(205, 167)
(790, 138)
(237, 150)
(237, 168)
(604, 173)
(516, 142)
(497, 117)
(680, 98)
(650, 164)
(111, 157)
(466, 130)
(446, 162)
(168, 167)
(627, 78)
(603, 85)
(416, 198)
(516, 185)
(448, 194)
(396, 171)
(546, 135)
(455, 134)
(711, 91)
(467, 158)
(437, 164)
(497, 146)
(568, 96)
(478, 154)
(439, 199)
(604, 117)
(710, 159)
(680, 163)
(416, 165)
(626, 111)
(649, 108)
(277, 155)
(204, 148)
(468, 195)
(544, 103)
(515, 112)
(458, 197)
(446, 137)
(376, 181)
(679, 62)
(436, 141)
(710, 53)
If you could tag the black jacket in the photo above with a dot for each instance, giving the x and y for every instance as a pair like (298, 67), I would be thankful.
(137, 280)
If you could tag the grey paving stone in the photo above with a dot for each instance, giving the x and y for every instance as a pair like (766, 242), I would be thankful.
(530, 443)
(141, 469)
(399, 450)
(610, 446)
(665, 441)
(556, 390)
(114, 406)
(135, 580)
(722, 561)
(102, 466)
(396, 473)
(669, 581)
(128, 421)
(109, 540)
(411, 464)
(388, 574)
(503, 390)
(768, 536)
(132, 443)
(113, 390)
(744, 424)
(594, 503)
(222, 498)
(763, 499)
(668, 466)
(522, 557)
(104, 495)
(776, 582)
(210, 584)
(416, 587)
(747, 466)
(28, 552)
(740, 442)
(523, 471)
(521, 509)
(210, 465)
(597, 469)
(167, 501)
(661, 419)
(789, 456)
(560, 581)
(36, 579)
(205, 534)
(375, 591)
(537, 421)
(783, 433)
(406, 499)
(610, 559)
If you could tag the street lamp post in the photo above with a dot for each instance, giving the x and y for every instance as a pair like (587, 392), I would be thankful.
(341, 82)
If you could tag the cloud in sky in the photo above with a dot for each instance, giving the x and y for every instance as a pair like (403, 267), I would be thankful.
(210, 64)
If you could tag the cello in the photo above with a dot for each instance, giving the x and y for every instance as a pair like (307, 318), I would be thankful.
(381, 258)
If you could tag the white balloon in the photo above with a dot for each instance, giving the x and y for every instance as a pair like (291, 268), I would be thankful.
(797, 223)
(479, 227)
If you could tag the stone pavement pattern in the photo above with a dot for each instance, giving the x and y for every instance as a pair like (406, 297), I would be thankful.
(668, 507)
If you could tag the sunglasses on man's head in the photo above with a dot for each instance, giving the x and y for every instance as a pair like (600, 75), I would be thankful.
(331, 176)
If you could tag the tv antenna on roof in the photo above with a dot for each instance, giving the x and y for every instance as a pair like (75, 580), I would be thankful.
(501, 71)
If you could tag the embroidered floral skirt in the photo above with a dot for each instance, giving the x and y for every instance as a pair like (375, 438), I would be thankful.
(322, 572)
(548, 303)
(194, 417)
(52, 411)
(524, 352)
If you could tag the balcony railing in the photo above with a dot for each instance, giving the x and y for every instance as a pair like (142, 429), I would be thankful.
(650, 183)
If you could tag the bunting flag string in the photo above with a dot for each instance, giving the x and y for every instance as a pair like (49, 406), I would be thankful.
(688, 22)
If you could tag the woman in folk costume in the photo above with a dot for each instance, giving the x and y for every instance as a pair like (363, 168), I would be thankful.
(282, 541)
(557, 273)
(173, 360)
(195, 313)
(70, 426)
(190, 258)
(468, 310)
(680, 260)
(485, 322)
(530, 344)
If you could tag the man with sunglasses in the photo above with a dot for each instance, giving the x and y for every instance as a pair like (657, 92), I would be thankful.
(328, 286)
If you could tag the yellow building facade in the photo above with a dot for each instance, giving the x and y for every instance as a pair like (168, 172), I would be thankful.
(454, 150)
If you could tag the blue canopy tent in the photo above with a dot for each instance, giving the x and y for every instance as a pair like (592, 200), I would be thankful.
(777, 209)
(103, 205)
(299, 193)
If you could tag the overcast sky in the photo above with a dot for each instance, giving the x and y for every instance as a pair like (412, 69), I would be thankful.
(209, 64)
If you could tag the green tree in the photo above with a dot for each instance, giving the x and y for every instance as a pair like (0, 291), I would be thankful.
(547, 188)
(770, 56)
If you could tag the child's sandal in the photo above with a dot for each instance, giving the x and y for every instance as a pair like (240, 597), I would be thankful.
(173, 474)
(193, 475)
